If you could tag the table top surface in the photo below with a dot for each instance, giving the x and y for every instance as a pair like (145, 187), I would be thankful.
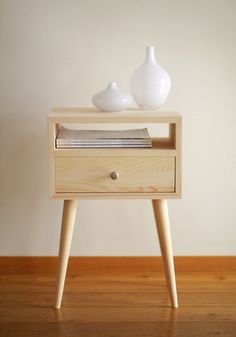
(129, 115)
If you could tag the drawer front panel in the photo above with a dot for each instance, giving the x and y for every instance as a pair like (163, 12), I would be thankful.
(130, 174)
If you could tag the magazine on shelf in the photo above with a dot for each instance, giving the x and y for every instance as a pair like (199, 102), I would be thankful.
(69, 138)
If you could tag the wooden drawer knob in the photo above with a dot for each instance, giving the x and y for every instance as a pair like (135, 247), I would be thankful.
(114, 175)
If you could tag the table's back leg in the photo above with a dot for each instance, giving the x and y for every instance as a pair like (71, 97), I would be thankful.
(160, 209)
(67, 227)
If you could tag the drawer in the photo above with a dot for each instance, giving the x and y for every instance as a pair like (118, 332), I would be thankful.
(135, 174)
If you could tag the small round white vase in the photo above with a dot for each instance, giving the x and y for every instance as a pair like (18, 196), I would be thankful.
(150, 83)
(112, 99)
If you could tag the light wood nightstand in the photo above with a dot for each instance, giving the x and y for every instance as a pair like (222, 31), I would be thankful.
(146, 173)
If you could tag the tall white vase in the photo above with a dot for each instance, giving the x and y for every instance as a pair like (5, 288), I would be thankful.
(150, 83)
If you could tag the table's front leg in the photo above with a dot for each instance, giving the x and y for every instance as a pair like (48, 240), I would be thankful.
(163, 228)
(67, 227)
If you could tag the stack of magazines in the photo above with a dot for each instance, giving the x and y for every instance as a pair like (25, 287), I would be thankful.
(68, 138)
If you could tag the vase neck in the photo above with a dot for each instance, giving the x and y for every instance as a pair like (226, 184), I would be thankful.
(150, 55)
(112, 86)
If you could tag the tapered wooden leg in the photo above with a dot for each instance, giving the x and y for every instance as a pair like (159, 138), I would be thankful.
(67, 227)
(160, 209)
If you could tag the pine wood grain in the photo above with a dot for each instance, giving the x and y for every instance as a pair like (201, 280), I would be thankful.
(92, 174)
(91, 115)
(72, 176)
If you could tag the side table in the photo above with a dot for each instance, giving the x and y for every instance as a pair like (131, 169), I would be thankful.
(91, 173)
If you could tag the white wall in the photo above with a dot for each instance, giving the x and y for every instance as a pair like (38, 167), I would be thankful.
(59, 53)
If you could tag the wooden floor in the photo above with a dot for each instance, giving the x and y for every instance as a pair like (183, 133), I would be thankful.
(131, 304)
